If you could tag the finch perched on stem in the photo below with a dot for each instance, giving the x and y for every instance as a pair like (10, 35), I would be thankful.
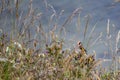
(83, 50)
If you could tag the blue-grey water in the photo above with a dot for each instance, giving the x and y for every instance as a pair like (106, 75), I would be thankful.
(99, 11)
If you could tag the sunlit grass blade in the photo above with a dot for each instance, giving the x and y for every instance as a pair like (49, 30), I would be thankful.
(86, 26)
(90, 36)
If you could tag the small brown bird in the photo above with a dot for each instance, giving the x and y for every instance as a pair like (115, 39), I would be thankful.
(83, 50)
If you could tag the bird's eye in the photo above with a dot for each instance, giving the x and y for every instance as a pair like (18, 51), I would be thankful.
(79, 43)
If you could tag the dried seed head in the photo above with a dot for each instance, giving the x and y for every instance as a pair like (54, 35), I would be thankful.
(117, 40)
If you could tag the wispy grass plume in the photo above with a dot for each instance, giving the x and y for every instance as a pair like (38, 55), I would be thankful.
(86, 26)
(76, 11)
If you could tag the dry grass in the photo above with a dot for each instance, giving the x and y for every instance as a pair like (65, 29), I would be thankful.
(22, 59)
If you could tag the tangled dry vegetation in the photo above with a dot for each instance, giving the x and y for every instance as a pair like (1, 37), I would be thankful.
(20, 61)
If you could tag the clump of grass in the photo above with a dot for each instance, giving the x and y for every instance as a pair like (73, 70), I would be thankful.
(20, 62)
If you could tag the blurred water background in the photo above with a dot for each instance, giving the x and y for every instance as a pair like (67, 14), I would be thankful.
(99, 13)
